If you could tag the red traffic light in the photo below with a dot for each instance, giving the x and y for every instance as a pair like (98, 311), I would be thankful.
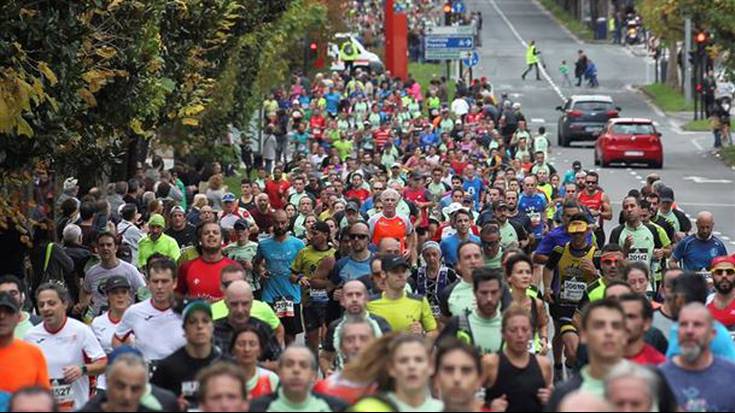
(447, 8)
(701, 37)
(698, 87)
(313, 46)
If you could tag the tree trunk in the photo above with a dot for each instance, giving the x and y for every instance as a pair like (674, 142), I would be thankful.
(672, 73)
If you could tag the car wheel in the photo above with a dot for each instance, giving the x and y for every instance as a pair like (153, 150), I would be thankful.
(563, 141)
(658, 164)
(604, 163)
(597, 159)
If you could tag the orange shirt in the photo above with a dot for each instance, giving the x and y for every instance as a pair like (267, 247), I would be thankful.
(22, 365)
(397, 227)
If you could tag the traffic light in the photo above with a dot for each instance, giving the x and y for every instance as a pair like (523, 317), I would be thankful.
(701, 38)
(447, 13)
(313, 47)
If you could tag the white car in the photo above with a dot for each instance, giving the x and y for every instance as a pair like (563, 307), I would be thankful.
(366, 60)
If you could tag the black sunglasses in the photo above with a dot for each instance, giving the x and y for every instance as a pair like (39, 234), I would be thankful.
(359, 236)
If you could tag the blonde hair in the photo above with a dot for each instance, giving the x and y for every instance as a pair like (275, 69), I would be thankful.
(200, 200)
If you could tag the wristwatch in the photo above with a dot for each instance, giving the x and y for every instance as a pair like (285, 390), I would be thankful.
(85, 370)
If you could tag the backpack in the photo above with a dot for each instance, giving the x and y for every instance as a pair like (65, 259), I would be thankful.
(124, 249)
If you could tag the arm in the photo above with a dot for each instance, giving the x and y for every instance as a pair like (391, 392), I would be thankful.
(543, 329)
(490, 369)
(544, 394)
(280, 333)
(606, 213)
(326, 361)
(320, 278)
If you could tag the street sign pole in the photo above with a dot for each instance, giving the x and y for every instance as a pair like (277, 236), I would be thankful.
(685, 59)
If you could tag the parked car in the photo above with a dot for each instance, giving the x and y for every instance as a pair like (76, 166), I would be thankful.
(630, 140)
(584, 117)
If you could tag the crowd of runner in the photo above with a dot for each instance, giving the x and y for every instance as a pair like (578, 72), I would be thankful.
(390, 249)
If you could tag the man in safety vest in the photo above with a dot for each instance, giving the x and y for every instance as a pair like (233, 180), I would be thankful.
(531, 60)
(348, 54)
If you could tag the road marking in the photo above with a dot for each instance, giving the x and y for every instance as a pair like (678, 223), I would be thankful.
(525, 45)
(704, 180)
(732, 242)
(537, 120)
(558, 23)
(696, 143)
(725, 237)
(718, 233)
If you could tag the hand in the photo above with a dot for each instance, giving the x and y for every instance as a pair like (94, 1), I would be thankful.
(406, 254)
(304, 282)
(548, 297)
(544, 346)
(247, 265)
(183, 403)
(544, 395)
(658, 253)
(628, 243)
(500, 404)
(588, 268)
(337, 294)
(595, 212)
(416, 328)
(72, 373)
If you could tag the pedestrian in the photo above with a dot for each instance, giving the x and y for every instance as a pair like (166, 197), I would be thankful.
(564, 72)
(591, 74)
(532, 60)
(580, 67)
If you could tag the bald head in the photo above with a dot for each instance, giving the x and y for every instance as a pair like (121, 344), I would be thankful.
(389, 246)
(705, 224)
(581, 401)
(354, 297)
(239, 301)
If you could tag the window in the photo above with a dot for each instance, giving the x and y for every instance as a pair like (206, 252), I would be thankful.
(590, 106)
(633, 129)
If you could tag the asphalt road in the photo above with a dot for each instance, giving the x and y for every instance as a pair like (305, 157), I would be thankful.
(700, 181)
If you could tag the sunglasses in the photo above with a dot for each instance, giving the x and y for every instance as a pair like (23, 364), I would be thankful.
(490, 243)
(728, 271)
(359, 236)
(610, 261)
(591, 182)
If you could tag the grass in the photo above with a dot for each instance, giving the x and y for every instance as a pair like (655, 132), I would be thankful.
(701, 125)
(667, 98)
(575, 26)
(233, 182)
(728, 155)
(424, 72)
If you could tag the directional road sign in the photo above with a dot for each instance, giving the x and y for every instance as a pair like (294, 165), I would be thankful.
(472, 60)
(449, 42)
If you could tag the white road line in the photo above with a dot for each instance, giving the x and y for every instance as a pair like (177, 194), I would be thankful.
(537, 120)
(718, 233)
(697, 145)
(732, 242)
(525, 44)
(725, 238)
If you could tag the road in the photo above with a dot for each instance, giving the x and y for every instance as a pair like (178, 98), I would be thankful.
(688, 166)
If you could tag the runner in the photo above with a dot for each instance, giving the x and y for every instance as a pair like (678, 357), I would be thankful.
(638, 318)
(721, 305)
(69, 346)
(223, 388)
(13, 286)
(433, 277)
(247, 349)
(458, 377)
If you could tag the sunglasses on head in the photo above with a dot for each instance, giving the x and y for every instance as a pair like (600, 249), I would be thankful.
(610, 261)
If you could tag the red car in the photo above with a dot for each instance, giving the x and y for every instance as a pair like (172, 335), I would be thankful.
(629, 140)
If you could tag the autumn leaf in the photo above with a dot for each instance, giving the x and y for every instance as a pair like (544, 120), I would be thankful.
(88, 97)
(23, 128)
(190, 121)
(106, 52)
(48, 73)
(137, 127)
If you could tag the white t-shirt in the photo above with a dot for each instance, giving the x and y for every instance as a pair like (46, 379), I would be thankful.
(157, 333)
(98, 274)
(104, 328)
(73, 345)
(460, 107)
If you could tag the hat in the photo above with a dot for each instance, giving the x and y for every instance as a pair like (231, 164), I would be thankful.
(352, 206)
(391, 262)
(179, 209)
(125, 349)
(157, 220)
(241, 224)
(321, 226)
(452, 208)
(576, 165)
(115, 281)
(500, 204)
(395, 165)
(197, 305)
(229, 197)
(416, 175)
(576, 227)
(722, 259)
(70, 183)
(666, 194)
(7, 301)
(429, 245)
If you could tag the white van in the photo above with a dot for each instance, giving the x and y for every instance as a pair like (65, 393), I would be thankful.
(366, 60)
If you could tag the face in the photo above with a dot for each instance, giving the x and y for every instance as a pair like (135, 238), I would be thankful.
(635, 324)
(298, 185)
(125, 387)
(296, 371)
(8, 321)
(14, 291)
(433, 257)
(155, 231)
(521, 275)
(529, 185)
(239, 304)
(280, 224)
(390, 201)
(567, 215)
(517, 333)
(211, 237)
(490, 244)
(178, 220)
(705, 225)
(605, 334)
(629, 394)
(305, 205)
(723, 276)
(162, 284)
(610, 264)
(695, 332)
(199, 329)
(638, 281)
(119, 299)
(470, 258)
(106, 248)
(263, 202)
(207, 214)
(411, 367)
(354, 298)
(396, 279)
(631, 210)
(511, 198)
(617, 291)
(488, 297)
(224, 394)
(33, 403)
(247, 349)
(457, 378)
(246, 189)
(51, 307)
(590, 183)
(355, 337)
(462, 223)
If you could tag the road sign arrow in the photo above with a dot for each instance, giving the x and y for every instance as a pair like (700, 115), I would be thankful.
(703, 180)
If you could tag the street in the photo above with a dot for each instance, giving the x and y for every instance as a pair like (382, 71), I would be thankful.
(700, 182)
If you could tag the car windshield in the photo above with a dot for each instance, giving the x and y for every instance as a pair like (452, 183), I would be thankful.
(593, 106)
(633, 128)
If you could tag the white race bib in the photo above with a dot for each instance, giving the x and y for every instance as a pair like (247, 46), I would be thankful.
(573, 291)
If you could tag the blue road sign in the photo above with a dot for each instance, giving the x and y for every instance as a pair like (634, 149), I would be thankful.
(450, 42)
(473, 60)
(458, 7)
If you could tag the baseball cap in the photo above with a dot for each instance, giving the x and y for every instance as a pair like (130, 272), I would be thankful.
(666, 194)
(70, 183)
(179, 209)
(7, 301)
(391, 262)
(724, 259)
(576, 165)
(416, 175)
(452, 208)
(115, 281)
(500, 205)
(352, 206)
(157, 220)
(395, 165)
(229, 197)
(429, 245)
(322, 227)
(194, 306)
(576, 227)
(241, 224)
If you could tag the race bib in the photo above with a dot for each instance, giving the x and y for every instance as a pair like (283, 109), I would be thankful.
(435, 310)
(319, 296)
(284, 308)
(638, 256)
(63, 395)
(573, 291)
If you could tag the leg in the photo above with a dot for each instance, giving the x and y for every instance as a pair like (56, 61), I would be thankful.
(528, 69)
(538, 76)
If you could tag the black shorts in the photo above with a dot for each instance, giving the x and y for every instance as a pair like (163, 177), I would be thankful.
(315, 316)
(292, 325)
(563, 316)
